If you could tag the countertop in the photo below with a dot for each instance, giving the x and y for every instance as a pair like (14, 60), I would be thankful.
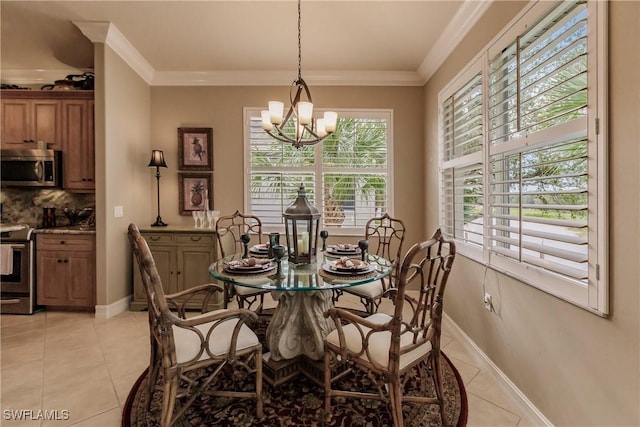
(69, 229)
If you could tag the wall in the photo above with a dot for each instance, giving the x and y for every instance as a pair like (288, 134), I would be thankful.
(122, 176)
(221, 108)
(577, 368)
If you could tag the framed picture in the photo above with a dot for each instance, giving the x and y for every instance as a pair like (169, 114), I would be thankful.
(195, 192)
(195, 149)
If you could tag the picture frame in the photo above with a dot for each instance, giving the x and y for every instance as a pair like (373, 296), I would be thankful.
(195, 190)
(195, 149)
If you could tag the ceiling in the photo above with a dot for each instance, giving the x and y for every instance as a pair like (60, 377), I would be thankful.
(236, 42)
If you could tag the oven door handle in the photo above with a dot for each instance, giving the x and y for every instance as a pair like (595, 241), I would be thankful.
(39, 170)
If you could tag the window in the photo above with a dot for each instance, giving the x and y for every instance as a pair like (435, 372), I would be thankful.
(347, 176)
(523, 153)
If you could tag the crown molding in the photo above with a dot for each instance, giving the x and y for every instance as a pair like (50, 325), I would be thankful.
(106, 32)
(470, 12)
(284, 78)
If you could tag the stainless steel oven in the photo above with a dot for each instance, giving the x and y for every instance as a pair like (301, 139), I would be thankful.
(17, 286)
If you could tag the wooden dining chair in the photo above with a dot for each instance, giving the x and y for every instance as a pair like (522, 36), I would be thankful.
(387, 346)
(387, 235)
(229, 230)
(188, 353)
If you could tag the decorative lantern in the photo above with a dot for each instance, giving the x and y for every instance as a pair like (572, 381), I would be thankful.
(301, 220)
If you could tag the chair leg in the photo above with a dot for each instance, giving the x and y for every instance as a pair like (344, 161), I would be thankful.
(152, 378)
(395, 395)
(259, 409)
(169, 398)
(327, 381)
(437, 381)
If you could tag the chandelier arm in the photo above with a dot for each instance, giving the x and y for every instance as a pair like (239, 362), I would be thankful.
(281, 136)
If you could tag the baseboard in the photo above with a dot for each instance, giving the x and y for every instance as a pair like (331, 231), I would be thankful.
(104, 312)
(466, 339)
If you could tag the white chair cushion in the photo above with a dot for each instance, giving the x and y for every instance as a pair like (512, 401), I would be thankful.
(370, 290)
(187, 342)
(379, 343)
(246, 290)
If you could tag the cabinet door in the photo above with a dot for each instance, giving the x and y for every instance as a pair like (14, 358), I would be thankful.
(46, 122)
(165, 259)
(80, 281)
(52, 277)
(78, 145)
(16, 123)
(193, 266)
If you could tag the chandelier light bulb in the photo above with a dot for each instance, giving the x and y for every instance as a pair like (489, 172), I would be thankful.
(276, 110)
(320, 130)
(266, 120)
(305, 112)
(330, 121)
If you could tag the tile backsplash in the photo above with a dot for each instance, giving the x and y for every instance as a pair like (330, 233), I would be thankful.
(24, 205)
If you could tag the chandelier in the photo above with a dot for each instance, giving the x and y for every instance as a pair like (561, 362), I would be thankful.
(305, 131)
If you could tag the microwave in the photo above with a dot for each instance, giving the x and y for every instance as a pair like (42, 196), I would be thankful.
(30, 168)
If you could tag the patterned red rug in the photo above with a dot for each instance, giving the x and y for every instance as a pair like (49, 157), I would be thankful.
(300, 402)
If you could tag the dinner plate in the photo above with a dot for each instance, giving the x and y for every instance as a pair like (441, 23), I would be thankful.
(337, 251)
(259, 249)
(244, 269)
(250, 270)
(356, 267)
(327, 268)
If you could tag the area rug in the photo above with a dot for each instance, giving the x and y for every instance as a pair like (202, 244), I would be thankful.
(300, 402)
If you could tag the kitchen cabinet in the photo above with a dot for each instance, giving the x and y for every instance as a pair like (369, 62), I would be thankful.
(27, 121)
(182, 257)
(65, 270)
(63, 119)
(78, 148)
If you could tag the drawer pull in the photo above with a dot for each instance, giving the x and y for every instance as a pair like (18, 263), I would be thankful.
(154, 238)
(62, 242)
(196, 239)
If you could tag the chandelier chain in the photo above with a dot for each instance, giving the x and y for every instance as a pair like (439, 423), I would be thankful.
(299, 45)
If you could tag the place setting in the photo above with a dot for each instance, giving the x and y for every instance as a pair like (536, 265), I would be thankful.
(249, 266)
(348, 266)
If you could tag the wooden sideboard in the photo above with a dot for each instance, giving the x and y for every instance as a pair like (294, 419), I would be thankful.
(182, 257)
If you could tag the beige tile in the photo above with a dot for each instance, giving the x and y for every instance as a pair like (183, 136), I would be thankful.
(62, 379)
(123, 385)
(483, 413)
(15, 353)
(467, 372)
(83, 401)
(111, 418)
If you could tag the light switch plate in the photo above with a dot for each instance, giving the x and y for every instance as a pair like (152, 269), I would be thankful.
(118, 211)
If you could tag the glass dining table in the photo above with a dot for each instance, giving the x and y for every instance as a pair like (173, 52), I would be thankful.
(303, 292)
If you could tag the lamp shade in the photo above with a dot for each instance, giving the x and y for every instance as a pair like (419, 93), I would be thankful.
(157, 159)
(301, 225)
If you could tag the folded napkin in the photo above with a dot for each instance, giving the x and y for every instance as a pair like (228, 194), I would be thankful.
(249, 262)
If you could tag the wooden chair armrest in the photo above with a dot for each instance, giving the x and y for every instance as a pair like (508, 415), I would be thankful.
(180, 299)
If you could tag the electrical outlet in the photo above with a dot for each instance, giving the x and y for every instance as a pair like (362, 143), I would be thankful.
(488, 302)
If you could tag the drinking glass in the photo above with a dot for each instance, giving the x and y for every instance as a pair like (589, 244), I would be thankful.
(323, 235)
(195, 218)
(201, 218)
(363, 245)
(245, 239)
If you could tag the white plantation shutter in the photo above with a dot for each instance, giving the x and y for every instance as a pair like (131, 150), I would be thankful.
(538, 202)
(532, 196)
(462, 177)
(347, 176)
(538, 197)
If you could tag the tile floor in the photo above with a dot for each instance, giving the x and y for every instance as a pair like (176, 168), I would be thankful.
(80, 370)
